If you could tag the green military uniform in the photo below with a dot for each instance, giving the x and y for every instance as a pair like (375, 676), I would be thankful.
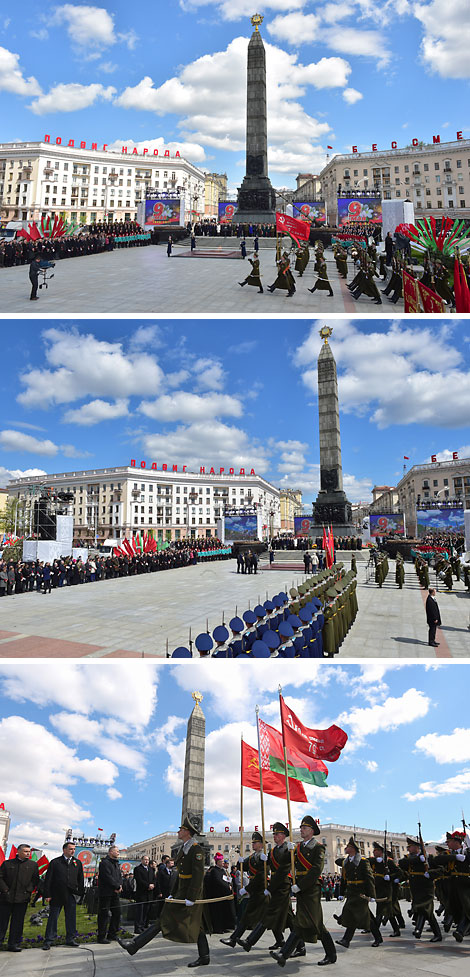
(416, 869)
(322, 283)
(456, 863)
(278, 913)
(254, 278)
(357, 885)
(253, 905)
(384, 872)
(285, 278)
(399, 573)
(180, 924)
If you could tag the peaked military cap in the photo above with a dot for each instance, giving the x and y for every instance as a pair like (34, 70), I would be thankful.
(268, 605)
(249, 617)
(413, 841)
(278, 826)
(236, 624)
(285, 630)
(277, 601)
(455, 835)
(204, 642)
(294, 621)
(256, 836)
(271, 639)
(352, 841)
(305, 615)
(259, 611)
(293, 592)
(376, 844)
(309, 821)
(260, 650)
(190, 825)
(220, 633)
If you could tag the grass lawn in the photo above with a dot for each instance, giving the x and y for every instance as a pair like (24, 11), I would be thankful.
(33, 935)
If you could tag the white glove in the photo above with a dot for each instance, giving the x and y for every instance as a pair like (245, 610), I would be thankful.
(240, 859)
(169, 897)
(379, 859)
(242, 891)
(294, 889)
(422, 858)
(396, 880)
(188, 902)
(427, 875)
(460, 858)
(386, 878)
(291, 846)
(263, 856)
(267, 893)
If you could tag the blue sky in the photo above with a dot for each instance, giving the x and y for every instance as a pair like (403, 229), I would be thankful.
(233, 393)
(339, 74)
(88, 746)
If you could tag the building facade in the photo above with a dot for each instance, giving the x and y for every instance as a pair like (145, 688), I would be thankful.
(39, 179)
(215, 190)
(308, 187)
(436, 178)
(291, 506)
(333, 836)
(438, 481)
(111, 503)
(384, 499)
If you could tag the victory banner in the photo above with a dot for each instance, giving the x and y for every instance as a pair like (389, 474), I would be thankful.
(432, 302)
(304, 526)
(163, 212)
(273, 782)
(447, 519)
(387, 525)
(313, 211)
(227, 210)
(367, 209)
(410, 293)
(298, 230)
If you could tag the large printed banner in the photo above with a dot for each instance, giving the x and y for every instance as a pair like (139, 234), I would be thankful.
(297, 229)
(159, 213)
(240, 528)
(227, 211)
(387, 525)
(445, 520)
(313, 211)
(305, 526)
(368, 209)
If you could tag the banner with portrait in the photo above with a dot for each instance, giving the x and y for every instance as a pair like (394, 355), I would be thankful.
(366, 209)
(226, 211)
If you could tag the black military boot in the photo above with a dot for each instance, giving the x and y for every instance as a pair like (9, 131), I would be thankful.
(329, 948)
(461, 930)
(436, 929)
(300, 950)
(252, 937)
(132, 946)
(232, 939)
(282, 955)
(418, 927)
(346, 939)
(203, 952)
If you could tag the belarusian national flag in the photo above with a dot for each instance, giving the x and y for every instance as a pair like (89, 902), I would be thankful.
(43, 862)
(273, 783)
(299, 767)
(324, 744)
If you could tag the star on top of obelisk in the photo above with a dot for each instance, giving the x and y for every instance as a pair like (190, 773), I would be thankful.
(197, 697)
(325, 333)
(256, 20)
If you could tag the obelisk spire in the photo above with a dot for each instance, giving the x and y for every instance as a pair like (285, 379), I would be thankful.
(332, 507)
(193, 784)
(256, 197)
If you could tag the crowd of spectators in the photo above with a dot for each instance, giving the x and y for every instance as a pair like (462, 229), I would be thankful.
(92, 240)
(291, 542)
(40, 576)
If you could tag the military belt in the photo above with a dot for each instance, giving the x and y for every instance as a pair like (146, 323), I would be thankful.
(185, 876)
(461, 875)
(354, 881)
(304, 872)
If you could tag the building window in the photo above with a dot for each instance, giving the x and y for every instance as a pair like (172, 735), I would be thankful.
(462, 203)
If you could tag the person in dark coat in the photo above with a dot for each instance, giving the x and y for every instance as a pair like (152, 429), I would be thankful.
(33, 277)
(388, 248)
(169, 246)
(163, 882)
(416, 869)
(433, 617)
(109, 887)
(358, 887)
(144, 886)
(218, 883)
(64, 885)
(19, 877)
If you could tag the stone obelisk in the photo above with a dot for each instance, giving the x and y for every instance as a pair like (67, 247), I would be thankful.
(256, 197)
(193, 783)
(332, 508)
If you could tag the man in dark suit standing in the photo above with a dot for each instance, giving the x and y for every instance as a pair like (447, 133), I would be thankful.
(109, 887)
(64, 884)
(144, 886)
(19, 876)
(433, 617)
(163, 882)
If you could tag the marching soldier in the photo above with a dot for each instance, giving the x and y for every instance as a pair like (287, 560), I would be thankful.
(255, 901)
(278, 912)
(322, 283)
(358, 887)
(416, 869)
(399, 572)
(181, 923)
(384, 871)
(285, 278)
(457, 864)
(254, 278)
(308, 925)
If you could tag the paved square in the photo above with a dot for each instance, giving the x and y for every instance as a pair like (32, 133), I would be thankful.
(405, 955)
(139, 280)
(135, 616)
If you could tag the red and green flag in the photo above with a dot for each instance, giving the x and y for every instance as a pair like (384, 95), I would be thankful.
(310, 770)
(321, 744)
(273, 783)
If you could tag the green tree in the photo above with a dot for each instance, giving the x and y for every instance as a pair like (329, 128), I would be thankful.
(8, 516)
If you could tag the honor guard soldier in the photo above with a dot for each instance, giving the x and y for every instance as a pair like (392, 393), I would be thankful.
(457, 864)
(181, 923)
(358, 887)
(285, 278)
(399, 572)
(254, 867)
(278, 912)
(254, 278)
(322, 283)
(416, 869)
(308, 923)
(384, 871)
(221, 636)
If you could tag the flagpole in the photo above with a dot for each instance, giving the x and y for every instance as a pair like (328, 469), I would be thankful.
(261, 797)
(289, 815)
(241, 811)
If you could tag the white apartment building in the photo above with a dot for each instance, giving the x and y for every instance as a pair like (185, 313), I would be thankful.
(111, 503)
(438, 481)
(436, 178)
(333, 836)
(40, 179)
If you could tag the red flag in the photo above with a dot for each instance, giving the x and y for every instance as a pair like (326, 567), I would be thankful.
(457, 286)
(2, 855)
(329, 147)
(406, 457)
(12, 853)
(42, 864)
(324, 744)
(331, 545)
(464, 290)
(311, 770)
(432, 302)
(292, 226)
(273, 783)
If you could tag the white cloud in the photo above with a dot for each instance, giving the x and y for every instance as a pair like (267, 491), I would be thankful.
(80, 365)
(96, 411)
(351, 96)
(445, 747)
(350, 40)
(86, 26)
(210, 374)
(113, 794)
(447, 454)
(458, 784)
(18, 441)
(11, 474)
(390, 714)
(236, 9)
(11, 76)
(71, 98)
(185, 406)
(444, 47)
(295, 28)
(82, 729)
(210, 442)
(188, 150)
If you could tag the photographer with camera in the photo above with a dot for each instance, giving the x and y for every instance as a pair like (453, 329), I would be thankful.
(34, 269)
